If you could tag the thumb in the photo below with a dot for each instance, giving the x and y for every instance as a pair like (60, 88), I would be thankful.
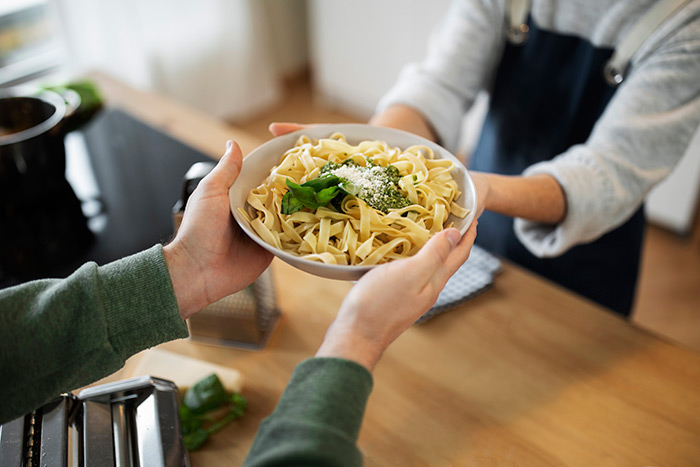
(228, 167)
(441, 245)
(436, 252)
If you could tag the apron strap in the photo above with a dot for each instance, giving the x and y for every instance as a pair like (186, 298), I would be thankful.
(616, 68)
(516, 21)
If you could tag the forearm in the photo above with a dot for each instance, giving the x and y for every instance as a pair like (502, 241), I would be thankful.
(318, 418)
(405, 118)
(61, 334)
(538, 198)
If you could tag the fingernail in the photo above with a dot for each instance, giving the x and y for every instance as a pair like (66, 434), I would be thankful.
(453, 236)
(229, 145)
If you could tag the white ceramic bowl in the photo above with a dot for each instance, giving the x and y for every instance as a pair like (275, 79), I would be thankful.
(257, 165)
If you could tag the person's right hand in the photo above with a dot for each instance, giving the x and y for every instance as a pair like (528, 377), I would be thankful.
(211, 257)
(389, 299)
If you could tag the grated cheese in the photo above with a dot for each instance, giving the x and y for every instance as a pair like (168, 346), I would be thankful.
(373, 184)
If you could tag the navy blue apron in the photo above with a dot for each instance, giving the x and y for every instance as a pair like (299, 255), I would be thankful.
(547, 96)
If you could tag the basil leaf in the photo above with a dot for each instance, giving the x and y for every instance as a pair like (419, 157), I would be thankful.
(238, 404)
(306, 195)
(207, 394)
(188, 421)
(197, 424)
(322, 182)
(325, 196)
(290, 204)
(195, 439)
(311, 194)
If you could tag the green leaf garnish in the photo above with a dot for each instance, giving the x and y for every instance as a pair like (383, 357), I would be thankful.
(374, 184)
(312, 194)
(208, 395)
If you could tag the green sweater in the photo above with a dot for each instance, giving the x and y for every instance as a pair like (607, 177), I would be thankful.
(318, 418)
(61, 334)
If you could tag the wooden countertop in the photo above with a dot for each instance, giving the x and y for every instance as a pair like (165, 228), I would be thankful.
(525, 374)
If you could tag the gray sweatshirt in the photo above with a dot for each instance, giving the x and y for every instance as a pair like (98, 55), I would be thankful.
(640, 137)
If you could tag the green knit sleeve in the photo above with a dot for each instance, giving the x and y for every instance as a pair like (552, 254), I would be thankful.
(60, 334)
(317, 420)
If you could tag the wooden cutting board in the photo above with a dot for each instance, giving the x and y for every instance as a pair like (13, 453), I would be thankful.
(183, 371)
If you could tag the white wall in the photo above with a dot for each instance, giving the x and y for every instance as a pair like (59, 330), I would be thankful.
(288, 30)
(358, 47)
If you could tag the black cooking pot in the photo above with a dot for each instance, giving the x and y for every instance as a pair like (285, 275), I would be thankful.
(41, 220)
(31, 140)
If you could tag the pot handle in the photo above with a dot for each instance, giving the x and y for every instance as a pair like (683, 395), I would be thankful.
(70, 120)
(83, 100)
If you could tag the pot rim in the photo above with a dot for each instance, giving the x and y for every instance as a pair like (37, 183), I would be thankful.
(54, 119)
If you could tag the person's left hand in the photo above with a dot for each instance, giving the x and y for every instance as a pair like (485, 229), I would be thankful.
(390, 298)
(282, 128)
(211, 257)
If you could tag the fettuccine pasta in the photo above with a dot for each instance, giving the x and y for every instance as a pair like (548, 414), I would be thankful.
(358, 234)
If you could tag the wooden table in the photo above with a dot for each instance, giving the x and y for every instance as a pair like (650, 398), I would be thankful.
(526, 374)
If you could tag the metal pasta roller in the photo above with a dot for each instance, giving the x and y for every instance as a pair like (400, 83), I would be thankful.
(129, 423)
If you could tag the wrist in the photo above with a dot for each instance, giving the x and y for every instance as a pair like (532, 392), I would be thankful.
(351, 347)
(185, 279)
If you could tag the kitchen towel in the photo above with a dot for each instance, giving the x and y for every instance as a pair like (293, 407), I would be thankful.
(473, 278)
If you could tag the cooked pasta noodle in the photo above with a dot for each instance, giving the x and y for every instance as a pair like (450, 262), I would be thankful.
(360, 234)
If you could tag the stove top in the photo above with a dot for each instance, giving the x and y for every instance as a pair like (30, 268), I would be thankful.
(125, 177)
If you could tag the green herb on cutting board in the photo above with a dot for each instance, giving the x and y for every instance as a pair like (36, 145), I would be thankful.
(206, 408)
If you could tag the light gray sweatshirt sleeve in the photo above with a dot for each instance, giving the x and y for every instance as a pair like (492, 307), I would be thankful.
(638, 140)
(636, 143)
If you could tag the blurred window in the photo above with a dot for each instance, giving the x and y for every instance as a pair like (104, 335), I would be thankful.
(30, 41)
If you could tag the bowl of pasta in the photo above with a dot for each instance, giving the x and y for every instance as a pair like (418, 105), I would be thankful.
(337, 200)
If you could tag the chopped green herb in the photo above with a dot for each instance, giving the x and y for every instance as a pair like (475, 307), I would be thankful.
(207, 395)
